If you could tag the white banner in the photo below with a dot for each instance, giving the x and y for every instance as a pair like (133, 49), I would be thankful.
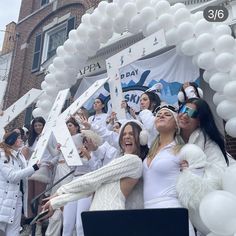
(169, 69)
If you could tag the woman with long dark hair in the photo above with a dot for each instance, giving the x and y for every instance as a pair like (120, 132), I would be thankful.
(198, 127)
(112, 183)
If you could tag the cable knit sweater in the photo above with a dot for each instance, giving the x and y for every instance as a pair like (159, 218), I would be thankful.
(103, 182)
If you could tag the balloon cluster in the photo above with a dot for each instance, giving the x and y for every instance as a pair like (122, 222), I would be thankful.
(210, 45)
(218, 208)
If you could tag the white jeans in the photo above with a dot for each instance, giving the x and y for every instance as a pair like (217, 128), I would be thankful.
(72, 216)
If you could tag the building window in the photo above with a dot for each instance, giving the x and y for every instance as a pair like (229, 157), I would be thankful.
(52, 39)
(44, 2)
(55, 38)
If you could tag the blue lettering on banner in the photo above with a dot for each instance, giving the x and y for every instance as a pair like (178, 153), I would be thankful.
(129, 73)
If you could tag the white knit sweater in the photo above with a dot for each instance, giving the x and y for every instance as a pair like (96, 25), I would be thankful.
(102, 182)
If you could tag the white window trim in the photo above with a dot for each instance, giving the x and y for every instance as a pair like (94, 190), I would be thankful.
(46, 40)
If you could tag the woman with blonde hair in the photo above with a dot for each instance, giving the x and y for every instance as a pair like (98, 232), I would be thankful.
(161, 168)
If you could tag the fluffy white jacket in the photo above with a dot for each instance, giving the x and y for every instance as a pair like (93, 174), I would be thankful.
(11, 173)
(206, 166)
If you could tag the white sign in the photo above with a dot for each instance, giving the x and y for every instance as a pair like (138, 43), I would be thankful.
(139, 50)
(48, 128)
(20, 105)
(3, 86)
(61, 131)
(68, 147)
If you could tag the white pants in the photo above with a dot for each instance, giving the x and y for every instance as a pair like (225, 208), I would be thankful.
(14, 228)
(55, 224)
(72, 216)
(167, 202)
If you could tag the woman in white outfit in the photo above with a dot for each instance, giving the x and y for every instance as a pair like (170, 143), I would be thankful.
(198, 127)
(13, 183)
(99, 118)
(161, 168)
(112, 183)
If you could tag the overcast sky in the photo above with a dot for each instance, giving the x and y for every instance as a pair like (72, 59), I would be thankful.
(9, 11)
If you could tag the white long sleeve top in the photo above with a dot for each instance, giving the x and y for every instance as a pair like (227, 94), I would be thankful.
(103, 180)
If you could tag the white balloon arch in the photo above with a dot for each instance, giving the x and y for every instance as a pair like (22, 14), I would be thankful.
(210, 44)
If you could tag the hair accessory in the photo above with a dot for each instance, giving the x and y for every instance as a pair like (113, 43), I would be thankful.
(156, 88)
(11, 138)
(190, 92)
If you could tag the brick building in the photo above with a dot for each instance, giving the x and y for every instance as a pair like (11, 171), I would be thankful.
(43, 25)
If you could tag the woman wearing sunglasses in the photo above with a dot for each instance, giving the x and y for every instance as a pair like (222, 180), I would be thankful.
(198, 127)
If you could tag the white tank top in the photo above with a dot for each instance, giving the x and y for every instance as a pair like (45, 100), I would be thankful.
(161, 175)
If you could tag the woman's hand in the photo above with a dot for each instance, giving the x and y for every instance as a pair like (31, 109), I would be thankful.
(85, 153)
(183, 165)
(84, 122)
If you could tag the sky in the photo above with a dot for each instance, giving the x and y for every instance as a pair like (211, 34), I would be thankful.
(9, 11)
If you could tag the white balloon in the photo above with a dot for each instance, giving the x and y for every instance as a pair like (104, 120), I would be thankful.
(50, 79)
(185, 30)
(162, 7)
(135, 24)
(205, 42)
(226, 109)
(86, 18)
(61, 76)
(112, 9)
(176, 7)
(229, 178)
(206, 60)
(222, 29)
(95, 17)
(105, 35)
(172, 37)
(196, 16)
(58, 63)
(153, 27)
(46, 105)
(224, 43)
(217, 210)
(218, 97)
(188, 47)
(93, 44)
(44, 84)
(69, 46)
(224, 62)
(37, 112)
(218, 81)
(232, 74)
(82, 32)
(230, 127)
(120, 23)
(106, 23)
(142, 3)
(230, 90)
(73, 35)
(129, 10)
(102, 6)
(61, 52)
(166, 21)
(148, 14)
(203, 26)
(181, 15)
(207, 75)
(52, 69)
